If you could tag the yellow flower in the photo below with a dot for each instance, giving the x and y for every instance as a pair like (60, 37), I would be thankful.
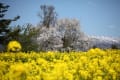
(14, 46)
(99, 72)
(84, 74)
(111, 71)
(18, 68)
(17, 72)
(97, 51)
(92, 51)
(66, 58)
(84, 59)
(98, 78)
(68, 76)
(41, 61)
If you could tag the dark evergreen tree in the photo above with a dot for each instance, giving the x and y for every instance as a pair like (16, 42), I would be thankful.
(4, 24)
(5, 30)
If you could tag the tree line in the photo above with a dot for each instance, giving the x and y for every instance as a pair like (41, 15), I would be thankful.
(50, 34)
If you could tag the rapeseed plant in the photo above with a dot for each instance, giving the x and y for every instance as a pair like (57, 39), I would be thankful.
(95, 64)
(14, 46)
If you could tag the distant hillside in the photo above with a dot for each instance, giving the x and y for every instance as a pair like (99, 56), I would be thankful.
(104, 42)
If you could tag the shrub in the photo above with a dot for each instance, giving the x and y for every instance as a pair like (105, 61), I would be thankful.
(14, 46)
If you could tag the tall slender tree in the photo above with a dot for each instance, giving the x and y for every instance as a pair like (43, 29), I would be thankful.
(48, 15)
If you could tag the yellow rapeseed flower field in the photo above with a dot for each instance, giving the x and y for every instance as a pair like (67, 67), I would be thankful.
(95, 64)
